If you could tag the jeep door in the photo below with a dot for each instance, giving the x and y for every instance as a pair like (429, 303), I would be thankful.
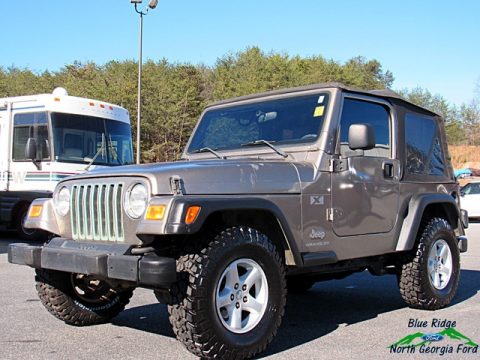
(365, 187)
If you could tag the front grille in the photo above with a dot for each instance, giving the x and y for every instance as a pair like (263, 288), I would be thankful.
(96, 212)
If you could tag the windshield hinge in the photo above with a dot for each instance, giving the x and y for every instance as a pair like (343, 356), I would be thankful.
(338, 165)
(176, 185)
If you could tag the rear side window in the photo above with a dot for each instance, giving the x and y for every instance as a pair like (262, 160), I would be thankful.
(364, 112)
(424, 151)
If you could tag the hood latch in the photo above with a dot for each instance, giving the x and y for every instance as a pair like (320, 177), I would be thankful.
(176, 185)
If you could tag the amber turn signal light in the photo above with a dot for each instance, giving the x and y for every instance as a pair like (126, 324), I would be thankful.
(155, 212)
(35, 211)
(192, 214)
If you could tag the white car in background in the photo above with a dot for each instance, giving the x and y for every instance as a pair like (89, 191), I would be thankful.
(471, 199)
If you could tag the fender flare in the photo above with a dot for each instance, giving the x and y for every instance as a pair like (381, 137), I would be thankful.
(416, 208)
(176, 225)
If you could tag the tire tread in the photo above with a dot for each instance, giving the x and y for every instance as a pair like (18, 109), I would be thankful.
(414, 283)
(189, 324)
(51, 289)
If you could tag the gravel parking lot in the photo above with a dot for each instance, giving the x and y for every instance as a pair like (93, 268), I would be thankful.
(357, 317)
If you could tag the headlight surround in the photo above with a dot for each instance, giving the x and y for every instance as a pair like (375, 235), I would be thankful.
(62, 201)
(136, 200)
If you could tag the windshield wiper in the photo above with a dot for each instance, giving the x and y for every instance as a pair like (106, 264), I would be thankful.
(210, 150)
(113, 150)
(269, 144)
(99, 151)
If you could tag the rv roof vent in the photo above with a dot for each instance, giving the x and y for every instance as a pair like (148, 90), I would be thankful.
(60, 91)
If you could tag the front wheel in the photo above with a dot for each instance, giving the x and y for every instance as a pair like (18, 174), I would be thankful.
(230, 299)
(79, 299)
(430, 278)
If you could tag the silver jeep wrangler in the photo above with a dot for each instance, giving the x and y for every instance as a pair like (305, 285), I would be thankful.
(275, 192)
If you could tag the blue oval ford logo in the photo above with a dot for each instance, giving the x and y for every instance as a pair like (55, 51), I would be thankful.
(432, 337)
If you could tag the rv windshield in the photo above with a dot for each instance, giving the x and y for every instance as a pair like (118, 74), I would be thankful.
(91, 140)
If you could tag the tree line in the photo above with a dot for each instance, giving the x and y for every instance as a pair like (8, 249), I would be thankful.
(174, 94)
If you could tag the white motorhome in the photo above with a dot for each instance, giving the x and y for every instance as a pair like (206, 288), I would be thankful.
(45, 138)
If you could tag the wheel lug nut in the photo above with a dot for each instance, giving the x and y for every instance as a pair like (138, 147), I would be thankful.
(232, 297)
(244, 287)
(236, 286)
(237, 305)
(244, 299)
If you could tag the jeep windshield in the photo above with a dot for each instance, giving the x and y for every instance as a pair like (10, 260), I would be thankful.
(282, 121)
(91, 140)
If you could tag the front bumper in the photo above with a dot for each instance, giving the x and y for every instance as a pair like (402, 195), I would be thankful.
(107, 261)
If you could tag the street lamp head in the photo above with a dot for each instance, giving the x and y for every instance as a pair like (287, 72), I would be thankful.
(153, 4)
(135, 1)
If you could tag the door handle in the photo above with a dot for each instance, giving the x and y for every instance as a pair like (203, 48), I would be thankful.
(388, 170)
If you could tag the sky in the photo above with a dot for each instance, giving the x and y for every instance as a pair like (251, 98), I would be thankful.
(433, 44)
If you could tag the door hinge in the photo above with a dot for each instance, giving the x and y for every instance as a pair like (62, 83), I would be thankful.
(338, 165)
(330, 212)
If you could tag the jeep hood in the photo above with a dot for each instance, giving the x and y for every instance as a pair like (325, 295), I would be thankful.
(214, 177)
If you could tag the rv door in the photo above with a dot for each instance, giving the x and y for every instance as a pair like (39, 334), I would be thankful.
(30, 146)
(4, 149)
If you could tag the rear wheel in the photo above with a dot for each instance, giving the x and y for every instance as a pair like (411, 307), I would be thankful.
(79, 299)
(430, 278)
(231, 295)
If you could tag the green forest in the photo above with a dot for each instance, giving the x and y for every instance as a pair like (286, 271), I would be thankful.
(174, 94)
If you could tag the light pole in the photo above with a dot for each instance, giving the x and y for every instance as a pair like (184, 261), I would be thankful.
(151, 5)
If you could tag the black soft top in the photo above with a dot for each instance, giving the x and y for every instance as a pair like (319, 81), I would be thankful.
(383, 93)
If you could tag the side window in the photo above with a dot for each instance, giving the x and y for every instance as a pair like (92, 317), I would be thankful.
(424, 151)
(30, 125)
(364, 112)
(475, 189)
(471, 189)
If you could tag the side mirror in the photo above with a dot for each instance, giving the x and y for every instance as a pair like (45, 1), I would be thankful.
(361, 137)
(31, 149)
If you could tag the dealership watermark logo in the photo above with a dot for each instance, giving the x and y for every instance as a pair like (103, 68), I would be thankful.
(441, 338)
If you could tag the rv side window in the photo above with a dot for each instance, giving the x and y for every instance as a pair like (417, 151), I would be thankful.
(30, 125)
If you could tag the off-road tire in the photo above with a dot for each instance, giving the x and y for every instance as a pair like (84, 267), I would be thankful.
(193, 313)
(27, 234)
(57, 294)
(413, 278)
(299, 284)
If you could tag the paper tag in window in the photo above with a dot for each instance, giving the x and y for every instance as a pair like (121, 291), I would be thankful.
(321, 99)
(319, 111)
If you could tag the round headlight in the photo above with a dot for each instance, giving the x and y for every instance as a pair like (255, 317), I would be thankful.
(136, 200)
(62, 201)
